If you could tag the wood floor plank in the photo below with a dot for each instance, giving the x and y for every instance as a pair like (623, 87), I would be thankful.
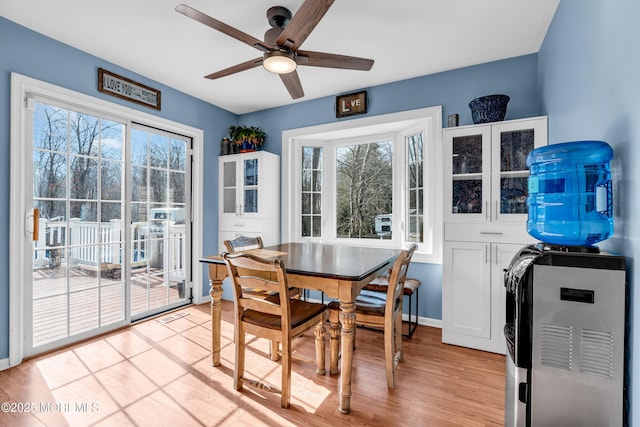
(153, 374)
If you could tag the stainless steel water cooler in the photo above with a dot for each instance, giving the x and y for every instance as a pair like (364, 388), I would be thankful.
(565, 335)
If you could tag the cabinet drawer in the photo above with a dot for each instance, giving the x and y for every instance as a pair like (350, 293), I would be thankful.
(488, 232)
(240, 224)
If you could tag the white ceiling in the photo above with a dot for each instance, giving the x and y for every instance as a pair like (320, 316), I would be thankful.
(406, 38)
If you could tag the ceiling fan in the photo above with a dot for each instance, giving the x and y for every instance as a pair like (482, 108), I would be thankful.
(281, 45)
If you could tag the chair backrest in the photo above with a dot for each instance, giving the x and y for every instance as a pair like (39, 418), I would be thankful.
(249, 271)
(243, 243)
(397, 276)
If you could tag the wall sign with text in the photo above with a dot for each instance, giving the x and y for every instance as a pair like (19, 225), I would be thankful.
(352, 103)
(124, 88)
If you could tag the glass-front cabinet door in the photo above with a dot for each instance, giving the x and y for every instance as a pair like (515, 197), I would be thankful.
(250, 181)
(240, 185)
(486, 175)
(511, 144)
(467, 166)
(229, 187)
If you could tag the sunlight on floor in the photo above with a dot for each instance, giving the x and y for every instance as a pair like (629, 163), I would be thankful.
(136, 375)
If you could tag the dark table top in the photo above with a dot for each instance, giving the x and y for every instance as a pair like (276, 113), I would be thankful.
(323, 260)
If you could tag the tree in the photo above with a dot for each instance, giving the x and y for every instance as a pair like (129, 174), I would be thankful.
(363, 187)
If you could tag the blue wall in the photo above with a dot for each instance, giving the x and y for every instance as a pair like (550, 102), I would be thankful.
(40, 57)
(589, 76)
(516, 77)
(34, 55)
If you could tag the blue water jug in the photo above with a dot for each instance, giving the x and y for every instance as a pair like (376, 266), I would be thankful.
(569, 197)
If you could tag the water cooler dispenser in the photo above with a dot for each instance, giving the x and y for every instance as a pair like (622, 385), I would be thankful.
(566, 300)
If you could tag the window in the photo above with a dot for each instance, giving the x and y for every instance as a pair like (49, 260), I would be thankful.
(311, 191)
(415, 187)
(374, 185)
(363, 189)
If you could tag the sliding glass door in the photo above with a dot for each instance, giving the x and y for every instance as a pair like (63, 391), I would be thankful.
(111, 222)
(160, 214)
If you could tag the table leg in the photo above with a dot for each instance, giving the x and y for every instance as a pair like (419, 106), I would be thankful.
(348, 320)
(216, 319)
(334, 349)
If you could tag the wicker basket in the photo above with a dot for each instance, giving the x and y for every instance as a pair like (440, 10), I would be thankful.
(490, 108)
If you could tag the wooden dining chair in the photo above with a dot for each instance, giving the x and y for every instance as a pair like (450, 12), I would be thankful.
(243, 243)
(378, 310)
(278, 319)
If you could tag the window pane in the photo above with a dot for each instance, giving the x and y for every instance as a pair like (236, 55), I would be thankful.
(177, 155)
(306, 180)
(306, 226)
(138, 184)
(85, 133)
(50, 128)
(317, 181)
(111, 178)
(311, 191)
(158, 150)
(158, 185)
(49, 175)
(317, 203)
(306, 203)
(177, 187)
(316, 225)
(139, 147)
(415, 171)
(311, 157)
(111, 140)
(84, 178)
(364, 176)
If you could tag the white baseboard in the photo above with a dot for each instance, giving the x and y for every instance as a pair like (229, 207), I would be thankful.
(4, 364)
(426, 321)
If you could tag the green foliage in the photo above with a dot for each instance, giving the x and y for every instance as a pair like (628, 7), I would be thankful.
(241, 133)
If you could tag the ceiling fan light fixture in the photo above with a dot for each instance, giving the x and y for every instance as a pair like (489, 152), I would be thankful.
(279, 62)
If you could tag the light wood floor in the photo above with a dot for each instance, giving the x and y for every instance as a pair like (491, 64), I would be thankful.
(155, 374)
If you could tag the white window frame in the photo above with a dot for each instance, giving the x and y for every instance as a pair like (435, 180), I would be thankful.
(398, 125)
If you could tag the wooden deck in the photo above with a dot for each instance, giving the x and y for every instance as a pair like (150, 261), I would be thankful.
(94, 300)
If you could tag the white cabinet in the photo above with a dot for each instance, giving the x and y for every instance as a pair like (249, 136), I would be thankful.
(474, 294)
(249, 197)
(485, 214)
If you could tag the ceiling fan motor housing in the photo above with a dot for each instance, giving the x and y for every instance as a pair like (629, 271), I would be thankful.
(278, 16)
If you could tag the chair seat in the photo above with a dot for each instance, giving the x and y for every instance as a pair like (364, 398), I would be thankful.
(379, 284)
(301, 311)
(368, 302)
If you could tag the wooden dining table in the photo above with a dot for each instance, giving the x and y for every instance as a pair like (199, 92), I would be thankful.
(337, 270)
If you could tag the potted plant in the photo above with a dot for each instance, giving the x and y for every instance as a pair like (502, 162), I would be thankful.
(248, 138)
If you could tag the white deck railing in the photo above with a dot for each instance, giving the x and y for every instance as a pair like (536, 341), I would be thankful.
(100, 247)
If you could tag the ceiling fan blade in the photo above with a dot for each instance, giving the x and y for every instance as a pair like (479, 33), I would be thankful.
(235, 69)
(222, 27)
(331, 60)
(293, 85)
(302, 23)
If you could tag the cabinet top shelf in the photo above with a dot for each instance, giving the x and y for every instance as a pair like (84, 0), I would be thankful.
(478, 126)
